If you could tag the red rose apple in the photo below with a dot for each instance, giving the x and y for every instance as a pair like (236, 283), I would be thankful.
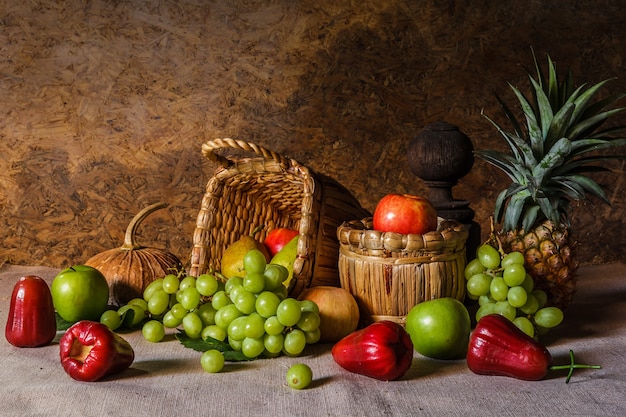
(405, 213)
(277, 238)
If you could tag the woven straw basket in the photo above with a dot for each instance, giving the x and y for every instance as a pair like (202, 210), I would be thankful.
(272, 191)
(389, 273)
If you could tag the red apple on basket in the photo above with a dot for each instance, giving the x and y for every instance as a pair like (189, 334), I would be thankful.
(277, 238)
(405, 213)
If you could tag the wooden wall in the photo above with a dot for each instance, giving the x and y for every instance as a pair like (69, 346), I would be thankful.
(104, 105)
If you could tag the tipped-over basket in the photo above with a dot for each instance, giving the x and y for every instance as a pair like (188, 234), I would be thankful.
(389, 273)
(272, 191)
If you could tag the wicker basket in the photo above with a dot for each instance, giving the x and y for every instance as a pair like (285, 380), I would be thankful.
(272, 191)
(389, 273)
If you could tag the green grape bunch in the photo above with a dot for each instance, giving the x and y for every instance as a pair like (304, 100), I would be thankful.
(251, 315)
(502, 286)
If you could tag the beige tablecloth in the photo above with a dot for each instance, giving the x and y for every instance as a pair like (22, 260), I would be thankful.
(166, 379)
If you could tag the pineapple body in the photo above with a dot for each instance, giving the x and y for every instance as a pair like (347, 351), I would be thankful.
(549, 259)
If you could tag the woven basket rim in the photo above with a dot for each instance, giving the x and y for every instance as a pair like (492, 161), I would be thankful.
(358, 235)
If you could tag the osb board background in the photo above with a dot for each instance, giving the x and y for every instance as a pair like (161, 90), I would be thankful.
(104, 105)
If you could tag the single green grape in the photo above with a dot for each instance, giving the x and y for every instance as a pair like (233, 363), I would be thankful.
(295, 341)
(192, 325)
(514, 275)
(309, 321)
(530, 306)
(235, 344)
(226, 314)
(233, 282)
(299, 376)
(505, 309)
(254, 282)
(153, 331)
(254, 261)
(170, 320)
(254, 326)
(158, 302)
(525, 325)
(274, 276)
(498, 289)
(214, 332)
(207, 285)
(157, 284)
(273, 326)
(274, 342)
(313, 336)
(179, 311)
(252, 348)
(190, 298)
(245, 301)
(485, 310)
(288, 312)
(111, 319)
(479, 284)
(548, 317)
(266, 304)
(488, 256)
(170, 284)
(206, 313)
(512, 258)
(309, 305)
(187, 282)
(473, 267)
(517, 296)
(236, 328)
(220, 299)
(212, 361)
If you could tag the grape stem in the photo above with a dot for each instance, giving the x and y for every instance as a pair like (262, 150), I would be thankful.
(493, 236)
(571, 366)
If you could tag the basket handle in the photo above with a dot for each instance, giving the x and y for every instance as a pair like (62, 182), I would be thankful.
(209, 148)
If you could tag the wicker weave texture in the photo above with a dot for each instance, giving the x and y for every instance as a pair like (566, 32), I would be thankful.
(272, 191)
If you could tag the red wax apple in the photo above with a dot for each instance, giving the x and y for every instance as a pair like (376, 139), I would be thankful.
(405, 213)
(277, 238)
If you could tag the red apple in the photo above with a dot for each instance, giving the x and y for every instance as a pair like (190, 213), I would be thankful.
(277, 238)
(338, 310)
(405, 213)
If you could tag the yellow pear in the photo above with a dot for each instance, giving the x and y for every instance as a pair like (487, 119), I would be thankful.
(286, 257)
(232, 260)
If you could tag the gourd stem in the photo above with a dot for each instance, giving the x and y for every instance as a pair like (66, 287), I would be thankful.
(129, 238)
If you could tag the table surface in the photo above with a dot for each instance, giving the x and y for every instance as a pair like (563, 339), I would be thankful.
(166, 378)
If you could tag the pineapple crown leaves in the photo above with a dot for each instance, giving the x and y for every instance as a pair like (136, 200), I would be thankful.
(549, 150)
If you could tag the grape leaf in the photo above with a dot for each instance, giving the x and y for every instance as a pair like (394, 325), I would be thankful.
(62, 325)
(202, 345)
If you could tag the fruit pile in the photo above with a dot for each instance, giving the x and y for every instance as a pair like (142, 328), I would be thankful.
(502, 286)
(251, 314)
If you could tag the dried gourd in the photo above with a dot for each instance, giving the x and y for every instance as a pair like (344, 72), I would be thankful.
(131, 267)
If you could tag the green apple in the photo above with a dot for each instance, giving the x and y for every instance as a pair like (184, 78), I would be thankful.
(439, 328)
(80, 293)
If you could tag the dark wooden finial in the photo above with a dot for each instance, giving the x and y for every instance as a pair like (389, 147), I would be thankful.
(440, 155)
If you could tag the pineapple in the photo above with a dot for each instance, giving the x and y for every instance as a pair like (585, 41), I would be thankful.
(547, 163)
